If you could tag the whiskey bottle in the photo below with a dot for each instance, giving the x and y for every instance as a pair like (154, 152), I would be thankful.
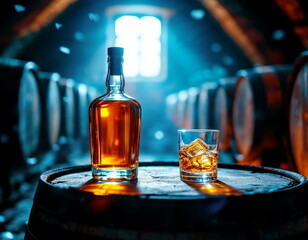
(114, 121)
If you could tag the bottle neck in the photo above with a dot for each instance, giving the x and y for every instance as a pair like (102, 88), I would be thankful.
(115, 79)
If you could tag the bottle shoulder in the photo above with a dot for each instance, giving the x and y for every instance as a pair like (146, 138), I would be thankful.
(107, 99)
(119, 96)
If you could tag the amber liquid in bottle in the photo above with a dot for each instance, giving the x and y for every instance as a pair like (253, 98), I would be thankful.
(115, 120)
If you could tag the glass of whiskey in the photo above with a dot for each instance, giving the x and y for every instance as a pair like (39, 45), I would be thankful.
(198, 154)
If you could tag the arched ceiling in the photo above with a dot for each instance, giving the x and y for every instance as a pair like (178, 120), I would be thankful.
(268, 32)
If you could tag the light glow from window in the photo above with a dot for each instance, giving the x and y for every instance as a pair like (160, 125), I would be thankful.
(141, 39)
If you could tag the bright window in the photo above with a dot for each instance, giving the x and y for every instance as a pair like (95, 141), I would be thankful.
(141, 38)
(142, 31)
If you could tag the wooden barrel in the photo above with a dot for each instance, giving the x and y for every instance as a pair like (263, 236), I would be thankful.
(298, 114)
(223, 103)
(51, 110)
(247, 202)
(206, 105)
(259, 114)
(92, 94)
(68, 128)
(171, 107)
(81, 110)
(20, 109)
(193, 108)
(182, 120)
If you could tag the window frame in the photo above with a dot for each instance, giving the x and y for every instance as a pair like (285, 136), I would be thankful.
(162, 14)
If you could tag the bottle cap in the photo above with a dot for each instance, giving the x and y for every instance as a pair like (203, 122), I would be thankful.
(116, 51)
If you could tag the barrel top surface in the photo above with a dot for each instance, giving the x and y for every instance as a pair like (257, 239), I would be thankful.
(163, 181)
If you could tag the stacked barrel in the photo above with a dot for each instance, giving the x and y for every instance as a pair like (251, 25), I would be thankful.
(223, 102)
(258, 114)
(297, 115)
(261, 113)
(43, 122)
(40, 111)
